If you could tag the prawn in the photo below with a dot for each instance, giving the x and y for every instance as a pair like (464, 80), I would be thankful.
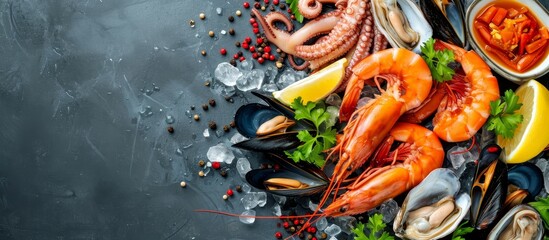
(408, 84)
(463, 102)
(406, 166)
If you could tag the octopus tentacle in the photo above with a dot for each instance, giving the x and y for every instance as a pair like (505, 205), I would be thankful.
(346, 27)
(295, 66)
(362, 49)
(321, 61)
(380, 42)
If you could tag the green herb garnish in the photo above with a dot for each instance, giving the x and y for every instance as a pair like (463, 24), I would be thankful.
(376, 228)
(542, 206)
(295, 10)
(503, 119)
(438, 61)
(461, 231)
(312, 147)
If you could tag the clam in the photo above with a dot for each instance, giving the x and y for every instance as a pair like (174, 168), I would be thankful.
(402, 23)
(488, 194)
(288, 180)
(434, 208)
(448, 18)
(521, 222)
(269, 127)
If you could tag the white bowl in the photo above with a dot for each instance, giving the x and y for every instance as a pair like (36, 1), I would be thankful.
(517, 77)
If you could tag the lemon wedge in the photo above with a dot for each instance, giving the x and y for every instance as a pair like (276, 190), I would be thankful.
(316, 86)
(530, 137)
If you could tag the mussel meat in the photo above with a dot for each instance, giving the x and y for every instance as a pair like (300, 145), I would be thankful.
(434, 208)
(488, 194)
(288, 180)
(521, 222)
(448, 18)
(402, 23)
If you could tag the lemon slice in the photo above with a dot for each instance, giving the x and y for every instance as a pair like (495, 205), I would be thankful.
(531, 136)
(315, 86)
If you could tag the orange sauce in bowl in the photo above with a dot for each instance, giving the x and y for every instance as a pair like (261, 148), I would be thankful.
(511, 35)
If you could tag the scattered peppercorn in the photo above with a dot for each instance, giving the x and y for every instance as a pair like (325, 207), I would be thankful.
(292, 229)
(323, 235)
(296, 222)
(278, 235)
(225, 197)
(232, 124)
(223, 173)
(272, 8)
(205, 107)
(192, 106)
(230, 99)
(196, 117)
(226, 128)
(246, 5)
(211, 33)
(223, 51)
(238, 188)
(286, 224)
(231, 18)
(233, 62)
(201, 173)
(237, 44)
(216, 165)
(207, 84)
(231, 32)
(238, 13)
(263, 8)
(170, 129)
(201, 163)
(301, 236)
(230, 192)
(279, 65)
(212, 125)
(183, 184)
(309, 237)
(240, 54)
(282, 6)
(211, 102)
(257, 5)
(191, 23)
(203, 52)
(275, 2)
(202, 16)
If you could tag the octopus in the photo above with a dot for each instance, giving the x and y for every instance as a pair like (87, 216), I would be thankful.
(346, 31)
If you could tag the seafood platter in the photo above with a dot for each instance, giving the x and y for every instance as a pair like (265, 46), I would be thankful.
(437, 105)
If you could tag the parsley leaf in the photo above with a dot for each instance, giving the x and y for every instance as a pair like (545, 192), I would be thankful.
(438, 61)
(376, 228)
(503, 119)
(295, 10)
(542, 206)
(324, 138)
(461, 231)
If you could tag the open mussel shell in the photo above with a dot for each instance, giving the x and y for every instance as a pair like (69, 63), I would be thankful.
(310, 179)
(488, 194)
(402, 23)
(526, 176)
(521, 222)
(271, 143)
(249, 117)
(434, 208)
(448, 18)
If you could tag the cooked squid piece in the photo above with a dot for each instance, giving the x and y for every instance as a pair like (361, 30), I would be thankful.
(522, 222)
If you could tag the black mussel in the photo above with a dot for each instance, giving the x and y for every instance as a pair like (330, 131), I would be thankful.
(249, 118)
(488, 194)
(271, 143)
(289, 179)
(448, 18)
(285, 110)
(525, 182)
(489, 154)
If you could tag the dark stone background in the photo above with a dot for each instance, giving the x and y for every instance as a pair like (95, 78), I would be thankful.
(77, 159)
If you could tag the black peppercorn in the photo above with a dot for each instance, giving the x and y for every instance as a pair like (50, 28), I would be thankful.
(231, 32)
(232, 124)
(238, 188)
(211, 102)
(231, 19)
(212, 125)
(170, 129)
(226, 128)
(205, 107)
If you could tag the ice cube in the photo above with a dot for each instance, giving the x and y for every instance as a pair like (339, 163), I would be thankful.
(269, 88)
(544, 166)
(332, 230)
(334, 114)
(460, 155)
(333, 100)
(261, 198)
(279, 199)
(277, 211)
(346, 223)
(286, 78)
(246, 66)
(247, 217)
(218, 10)
(237, 137)
(220, 153)
(243, 166)
(389, 209)
(206, 133)
(270, 74)
(170, 119)
(223, 90)
(246, 188)
(227, 73)
(322, 223)
(250, 80)
(313, 206)
(249, 201)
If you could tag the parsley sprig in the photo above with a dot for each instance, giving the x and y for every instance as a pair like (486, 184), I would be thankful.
(376, 228)
(295, 10)
(438, 61)
(542, 206)
(461, 231)
(503, 119)
(324, 138)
